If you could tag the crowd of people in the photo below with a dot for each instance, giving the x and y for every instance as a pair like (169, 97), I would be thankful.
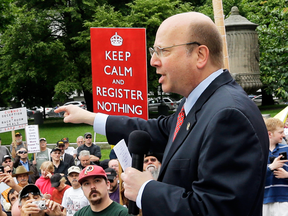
(55, 175)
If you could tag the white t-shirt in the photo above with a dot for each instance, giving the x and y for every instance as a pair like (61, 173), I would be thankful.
(73, 200)
(70, 150)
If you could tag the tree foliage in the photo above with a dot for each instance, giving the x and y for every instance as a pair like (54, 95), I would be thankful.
(45, 45)
(31, 59)
(272, 18)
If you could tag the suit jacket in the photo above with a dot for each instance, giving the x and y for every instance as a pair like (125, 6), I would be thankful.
(217, 162)
(69, 159)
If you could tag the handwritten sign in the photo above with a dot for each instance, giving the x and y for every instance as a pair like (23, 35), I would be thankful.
(119, 71)
(32, 138)
(13, 119)
(123, 154)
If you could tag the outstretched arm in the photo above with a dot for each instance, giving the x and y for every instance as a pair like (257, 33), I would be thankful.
(75, 114)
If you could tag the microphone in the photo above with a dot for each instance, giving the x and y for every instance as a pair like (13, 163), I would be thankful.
(138, 144)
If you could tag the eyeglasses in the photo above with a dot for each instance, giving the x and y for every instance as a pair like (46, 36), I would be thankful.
(88, 137)
(9, 171)
(151, 159)
(159, 51)
(22, 152)
(33, 193)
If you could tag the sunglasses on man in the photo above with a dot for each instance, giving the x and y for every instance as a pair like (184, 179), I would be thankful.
(111, 180)
(22, 152)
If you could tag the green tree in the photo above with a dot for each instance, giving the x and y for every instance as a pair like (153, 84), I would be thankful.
(31, 59)
(272, 18)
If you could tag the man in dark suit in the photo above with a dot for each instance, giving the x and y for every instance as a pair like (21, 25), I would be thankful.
(66, 158)
(215, 163)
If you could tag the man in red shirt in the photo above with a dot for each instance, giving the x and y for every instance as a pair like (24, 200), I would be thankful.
(58, 182)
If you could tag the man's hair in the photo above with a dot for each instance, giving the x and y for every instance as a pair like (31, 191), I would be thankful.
(84, 153)
(47, 165)
(63, 179)
(208, 35)
(80, 137)
(273, 123)
(9, 193)
(24, 148)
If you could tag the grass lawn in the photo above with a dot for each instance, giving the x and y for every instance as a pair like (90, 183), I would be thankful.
(54, 129)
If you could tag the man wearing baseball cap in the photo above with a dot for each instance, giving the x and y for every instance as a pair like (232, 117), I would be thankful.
(7, 161)
(59, 166)
(65, 157)
(43, 155)
(58, 182)
(31, 203)
(17, 144)
(74, 198)
(114, 185)
(95, 185)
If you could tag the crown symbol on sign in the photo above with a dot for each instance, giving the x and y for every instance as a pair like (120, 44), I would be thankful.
(116, 40)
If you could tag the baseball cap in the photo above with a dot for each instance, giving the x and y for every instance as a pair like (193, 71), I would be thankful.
(111, 173)
(65, 140)
(28, 189)
(60, 143)
(74, 169)
(55, 180)
(56, 149)
(91, 170)
(18, 134)
(86, 134)
(42, 139)
(5, 157)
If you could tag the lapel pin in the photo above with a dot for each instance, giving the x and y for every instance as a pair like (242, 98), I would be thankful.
(188, 126)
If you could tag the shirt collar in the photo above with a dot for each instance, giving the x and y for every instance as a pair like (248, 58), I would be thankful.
(24, 162)
(196, 93)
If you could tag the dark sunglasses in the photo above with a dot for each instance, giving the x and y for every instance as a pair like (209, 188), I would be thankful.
(22, 152)
(26, 195)
(88, 137)
(9, 171)
(111, 180)
(151, 159)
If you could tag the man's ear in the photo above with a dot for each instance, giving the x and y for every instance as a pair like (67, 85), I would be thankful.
(203, 55)
(108, 184)
(270, 134)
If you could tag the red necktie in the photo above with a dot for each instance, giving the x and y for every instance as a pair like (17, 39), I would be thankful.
(180, 120)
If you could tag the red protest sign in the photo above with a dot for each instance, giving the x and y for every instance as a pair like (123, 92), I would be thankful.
(119, 71)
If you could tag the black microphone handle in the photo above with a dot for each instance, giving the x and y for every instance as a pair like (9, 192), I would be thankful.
(137, 163)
